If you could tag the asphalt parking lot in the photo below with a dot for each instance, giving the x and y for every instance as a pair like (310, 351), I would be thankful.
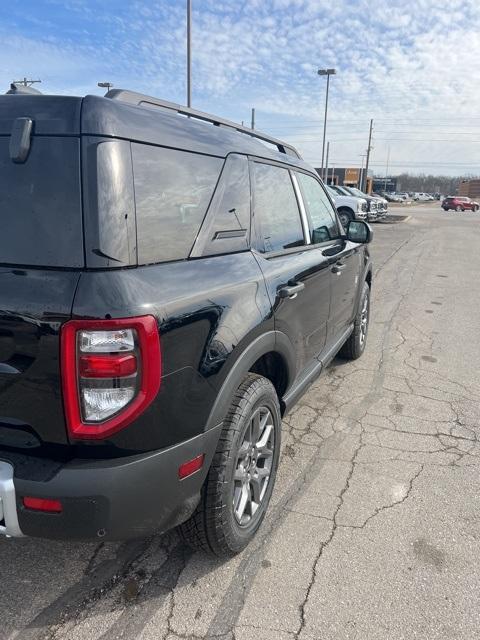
(374, 529)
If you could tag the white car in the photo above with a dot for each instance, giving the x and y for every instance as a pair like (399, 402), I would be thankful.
(422, 197)
(348, 207)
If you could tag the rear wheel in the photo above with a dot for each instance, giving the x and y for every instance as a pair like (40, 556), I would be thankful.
(345, 216)
(240, 481)
(355, 345)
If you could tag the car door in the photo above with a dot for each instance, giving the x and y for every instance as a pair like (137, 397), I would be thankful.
(296, 273)
(344, 257)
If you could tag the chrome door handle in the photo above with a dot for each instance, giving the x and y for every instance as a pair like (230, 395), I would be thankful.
(292, 290)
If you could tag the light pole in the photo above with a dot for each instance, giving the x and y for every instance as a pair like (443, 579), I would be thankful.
(328, 73)
(189, 53)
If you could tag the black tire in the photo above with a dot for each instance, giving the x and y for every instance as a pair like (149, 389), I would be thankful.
(214, 527)
(475, 208)
(458, 208)
(345, 216)
(355, 345)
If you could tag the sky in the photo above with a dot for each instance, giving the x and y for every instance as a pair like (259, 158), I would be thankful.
(410, 65)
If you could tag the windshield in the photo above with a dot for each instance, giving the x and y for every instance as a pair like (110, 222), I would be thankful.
(357, 192)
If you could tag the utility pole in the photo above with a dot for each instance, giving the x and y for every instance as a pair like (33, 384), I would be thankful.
(253, 118)
(362, 155)
(25, 82)
(369, 148)
(189, 53)
(325, 175)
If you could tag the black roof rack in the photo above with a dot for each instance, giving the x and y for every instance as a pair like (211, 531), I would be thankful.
(140, 99)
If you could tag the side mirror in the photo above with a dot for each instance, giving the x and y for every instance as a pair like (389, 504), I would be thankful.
(359, 231)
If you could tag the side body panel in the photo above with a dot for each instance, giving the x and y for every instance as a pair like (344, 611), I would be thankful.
(207, 311)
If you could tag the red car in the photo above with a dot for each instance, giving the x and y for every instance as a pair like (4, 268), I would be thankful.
(459, 203)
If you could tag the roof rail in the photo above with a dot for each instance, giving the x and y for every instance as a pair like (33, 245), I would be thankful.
(140, 99)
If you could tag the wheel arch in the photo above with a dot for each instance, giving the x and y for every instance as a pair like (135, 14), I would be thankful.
(270, 355)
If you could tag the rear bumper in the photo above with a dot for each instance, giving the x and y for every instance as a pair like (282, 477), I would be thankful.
(116, 499)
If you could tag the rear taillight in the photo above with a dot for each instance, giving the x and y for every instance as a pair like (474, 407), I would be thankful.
(111, 372)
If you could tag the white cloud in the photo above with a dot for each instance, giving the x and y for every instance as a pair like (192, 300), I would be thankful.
(412, 65)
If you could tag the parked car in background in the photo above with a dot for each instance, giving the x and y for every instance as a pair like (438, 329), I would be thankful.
(147, 358)
(422, 197)
(371, 202)
(378, 205)
(459, 203)
(348, 207)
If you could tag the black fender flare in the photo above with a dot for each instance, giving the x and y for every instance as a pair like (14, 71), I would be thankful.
(270, 341)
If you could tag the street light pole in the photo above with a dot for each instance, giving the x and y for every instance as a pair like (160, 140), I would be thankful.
(325, 179)
(367, 162)
(189, 53)
(328, 73)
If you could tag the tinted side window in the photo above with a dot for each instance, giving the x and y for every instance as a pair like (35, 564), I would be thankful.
(322, 215)
(276, 208)
(172, 193)
(227, 226)
(40, 204)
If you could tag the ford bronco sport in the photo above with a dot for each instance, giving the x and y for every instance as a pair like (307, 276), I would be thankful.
(169, 287)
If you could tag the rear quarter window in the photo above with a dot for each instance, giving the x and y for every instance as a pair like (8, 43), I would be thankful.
(40, 204)
(172, 193)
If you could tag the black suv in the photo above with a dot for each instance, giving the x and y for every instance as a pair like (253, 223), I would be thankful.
(170, 284)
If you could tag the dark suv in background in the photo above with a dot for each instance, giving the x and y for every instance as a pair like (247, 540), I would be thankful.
(169, 287)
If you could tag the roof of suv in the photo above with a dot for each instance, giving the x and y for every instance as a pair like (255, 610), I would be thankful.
(147, 120)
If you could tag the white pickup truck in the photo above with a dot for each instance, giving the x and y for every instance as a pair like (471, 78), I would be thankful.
(348, 207)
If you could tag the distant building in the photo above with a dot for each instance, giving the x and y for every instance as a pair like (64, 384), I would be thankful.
(344, 176)
(469, 188)
(387, 183)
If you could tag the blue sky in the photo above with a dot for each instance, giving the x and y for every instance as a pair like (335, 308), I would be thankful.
(411, 65)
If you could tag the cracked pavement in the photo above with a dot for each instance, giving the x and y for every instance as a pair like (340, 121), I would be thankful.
(374, 527)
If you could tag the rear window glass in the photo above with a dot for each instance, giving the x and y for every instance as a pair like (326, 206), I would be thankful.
(40, 205)
(172, 193)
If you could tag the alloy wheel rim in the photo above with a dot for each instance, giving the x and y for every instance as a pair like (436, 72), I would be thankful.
(364, 320)
(253, 466)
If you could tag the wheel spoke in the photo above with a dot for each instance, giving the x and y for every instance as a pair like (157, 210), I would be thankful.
(244, 449)
(239, 474)
(244, 499)
(259, 483)
(256, 484)
(265, 436)
(265, 453)
(255, 427)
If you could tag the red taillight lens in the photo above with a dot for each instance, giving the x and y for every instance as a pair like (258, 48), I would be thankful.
(42, 504)
(111, 372)
(107, 366)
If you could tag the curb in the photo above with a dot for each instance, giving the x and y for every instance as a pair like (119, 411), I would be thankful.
(393, 219)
